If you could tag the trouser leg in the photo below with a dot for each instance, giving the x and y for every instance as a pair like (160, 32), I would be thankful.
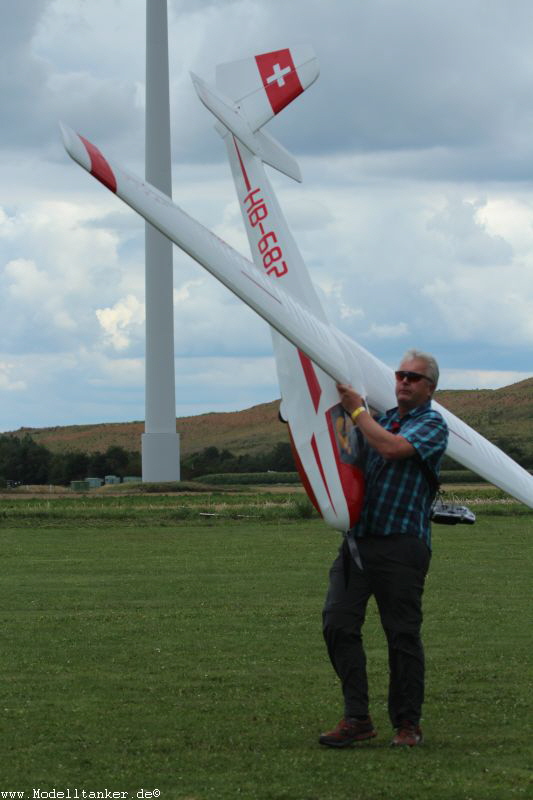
(399, 575)
(343, 618)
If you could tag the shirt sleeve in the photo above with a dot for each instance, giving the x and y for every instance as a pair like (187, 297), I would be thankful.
(428, 435)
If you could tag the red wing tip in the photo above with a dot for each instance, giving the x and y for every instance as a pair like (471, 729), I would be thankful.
(100, 168)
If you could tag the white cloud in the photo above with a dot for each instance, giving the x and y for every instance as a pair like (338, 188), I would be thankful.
(6, 382)
(388, 331)
(467, 239)
(119, 321)
(183, 294)
(25, 281)
(494, 305)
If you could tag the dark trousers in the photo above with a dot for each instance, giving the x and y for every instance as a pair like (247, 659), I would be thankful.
(394, 570)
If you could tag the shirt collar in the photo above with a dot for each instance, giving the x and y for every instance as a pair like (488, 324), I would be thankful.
(415, 412)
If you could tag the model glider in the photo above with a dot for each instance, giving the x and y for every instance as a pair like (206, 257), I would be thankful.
(311, 354)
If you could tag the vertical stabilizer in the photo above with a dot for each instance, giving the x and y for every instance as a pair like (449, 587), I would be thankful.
(264, 85)
(250, 92)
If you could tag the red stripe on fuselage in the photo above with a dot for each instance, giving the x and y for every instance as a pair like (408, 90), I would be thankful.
(303, 474)
(243, 169)
(313, 383)
(321, 469)
(100, 169)
(279, 77)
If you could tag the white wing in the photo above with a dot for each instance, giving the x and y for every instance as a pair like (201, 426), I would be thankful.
(337, 355)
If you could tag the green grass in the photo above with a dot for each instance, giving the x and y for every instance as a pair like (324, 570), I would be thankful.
(102, 509)
(136, 506)
(189, 659)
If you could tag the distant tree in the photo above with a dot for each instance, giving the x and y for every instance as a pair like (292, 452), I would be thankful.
(281, 458)
(68, 467)
(134, 466)
(97, 466)
(23, 460)
(117, 460)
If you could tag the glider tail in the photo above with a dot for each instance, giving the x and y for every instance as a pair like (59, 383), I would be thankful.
(252, 91)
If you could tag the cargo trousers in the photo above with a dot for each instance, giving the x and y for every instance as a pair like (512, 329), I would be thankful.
(393, 571)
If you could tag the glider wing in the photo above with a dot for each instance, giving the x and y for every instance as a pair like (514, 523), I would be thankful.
(333, 352)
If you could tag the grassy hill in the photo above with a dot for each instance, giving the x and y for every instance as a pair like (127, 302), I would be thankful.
(254, 430)
(504, 416)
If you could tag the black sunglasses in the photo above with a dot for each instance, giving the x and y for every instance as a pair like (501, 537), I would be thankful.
(411, 377)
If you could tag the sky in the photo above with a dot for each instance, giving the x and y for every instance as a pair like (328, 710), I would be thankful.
(415, 215)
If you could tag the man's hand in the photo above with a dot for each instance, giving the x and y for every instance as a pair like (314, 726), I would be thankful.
(350, 399)
(391, 446)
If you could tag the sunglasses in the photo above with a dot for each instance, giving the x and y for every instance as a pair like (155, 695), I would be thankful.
(410, 377)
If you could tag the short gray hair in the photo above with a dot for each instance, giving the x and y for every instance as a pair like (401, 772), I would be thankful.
(431, 363)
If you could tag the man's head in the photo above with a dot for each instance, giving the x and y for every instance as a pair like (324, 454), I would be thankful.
(416, 380)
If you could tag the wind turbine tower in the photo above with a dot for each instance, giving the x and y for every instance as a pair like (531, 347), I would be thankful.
(160, 442)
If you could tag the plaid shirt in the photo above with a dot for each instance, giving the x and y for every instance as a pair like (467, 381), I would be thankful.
(397, 493)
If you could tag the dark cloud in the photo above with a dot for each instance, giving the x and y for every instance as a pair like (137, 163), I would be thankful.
(22, 75)
(452, 81)
(36, 91)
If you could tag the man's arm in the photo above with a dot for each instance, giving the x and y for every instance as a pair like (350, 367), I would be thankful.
(389, 445)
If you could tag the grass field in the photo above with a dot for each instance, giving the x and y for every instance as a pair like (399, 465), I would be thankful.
(187, 658)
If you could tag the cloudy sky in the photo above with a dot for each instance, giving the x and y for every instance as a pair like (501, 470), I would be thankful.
(415, 215)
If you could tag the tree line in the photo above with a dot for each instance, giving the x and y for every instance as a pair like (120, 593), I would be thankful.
(24, 461)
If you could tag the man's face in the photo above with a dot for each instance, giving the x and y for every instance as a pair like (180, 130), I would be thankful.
(413, 393)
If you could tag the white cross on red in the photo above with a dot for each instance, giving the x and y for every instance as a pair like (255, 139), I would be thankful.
(278, 75)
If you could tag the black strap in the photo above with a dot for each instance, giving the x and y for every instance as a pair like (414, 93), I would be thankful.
(434, 483)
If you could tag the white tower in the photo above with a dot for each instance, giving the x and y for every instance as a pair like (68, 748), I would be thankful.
(160, 442)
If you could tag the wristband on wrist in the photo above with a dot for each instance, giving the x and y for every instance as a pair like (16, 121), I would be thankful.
(356, 413)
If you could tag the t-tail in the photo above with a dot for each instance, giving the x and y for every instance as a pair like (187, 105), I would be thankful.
(250, 92)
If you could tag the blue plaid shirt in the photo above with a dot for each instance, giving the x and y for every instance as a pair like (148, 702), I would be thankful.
(397, 493)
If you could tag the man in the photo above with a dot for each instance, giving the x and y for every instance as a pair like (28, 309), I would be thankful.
(387, 554)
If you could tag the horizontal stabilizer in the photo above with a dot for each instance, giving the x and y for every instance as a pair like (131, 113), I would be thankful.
(261, 144)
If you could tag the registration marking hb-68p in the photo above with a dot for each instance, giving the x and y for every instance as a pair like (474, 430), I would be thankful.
(269, 249)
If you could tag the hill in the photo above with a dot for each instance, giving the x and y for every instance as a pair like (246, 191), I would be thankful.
(254, 430)
(503, 415)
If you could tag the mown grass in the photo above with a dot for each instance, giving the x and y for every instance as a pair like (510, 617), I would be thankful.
(97, 509)
(131, 507)
(189, 659)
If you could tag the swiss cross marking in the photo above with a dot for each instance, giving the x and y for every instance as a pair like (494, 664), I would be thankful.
(278, 75)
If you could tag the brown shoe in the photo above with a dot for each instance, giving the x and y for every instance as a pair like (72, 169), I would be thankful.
(348, 731)
(407, 735)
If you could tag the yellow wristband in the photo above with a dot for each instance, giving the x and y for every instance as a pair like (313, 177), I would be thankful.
(356, 413)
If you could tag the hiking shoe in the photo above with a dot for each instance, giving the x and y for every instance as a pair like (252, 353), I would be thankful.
(348, 731)
(407, 735)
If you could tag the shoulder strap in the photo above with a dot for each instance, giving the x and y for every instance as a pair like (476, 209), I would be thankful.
(434, 483)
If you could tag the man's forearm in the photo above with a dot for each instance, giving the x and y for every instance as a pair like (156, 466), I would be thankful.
(388, 445)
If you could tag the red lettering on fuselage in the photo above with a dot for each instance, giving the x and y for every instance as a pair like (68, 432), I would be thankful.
(256, 209)
(269, 249)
